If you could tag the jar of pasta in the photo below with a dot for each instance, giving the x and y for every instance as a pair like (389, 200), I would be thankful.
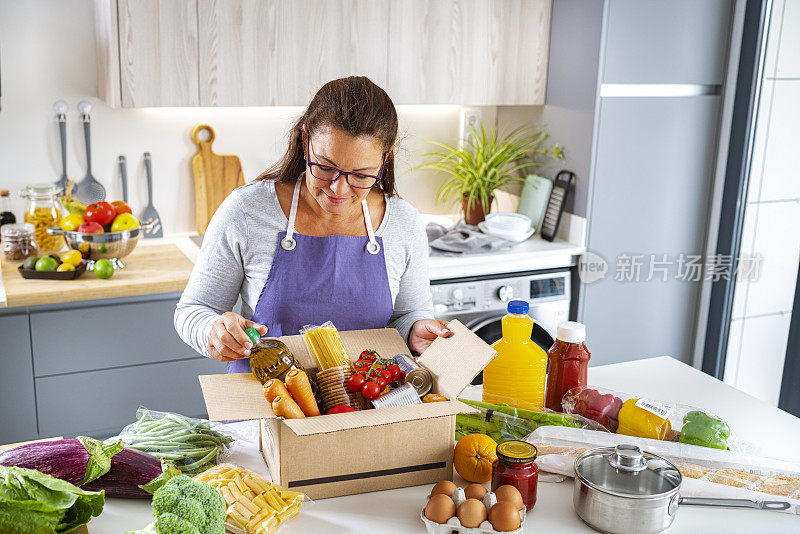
(43, 211)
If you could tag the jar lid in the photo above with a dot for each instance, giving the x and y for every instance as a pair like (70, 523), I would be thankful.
(625, 470)
(17, 230)
(4, 193)
(571, 332)
(516, 452)
(40, 190)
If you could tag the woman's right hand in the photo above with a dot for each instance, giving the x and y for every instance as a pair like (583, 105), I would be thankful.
(227, 341)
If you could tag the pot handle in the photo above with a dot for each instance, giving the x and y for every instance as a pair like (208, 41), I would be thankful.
(735, 503)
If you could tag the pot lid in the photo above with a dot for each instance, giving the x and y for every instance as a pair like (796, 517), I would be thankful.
(627, 471)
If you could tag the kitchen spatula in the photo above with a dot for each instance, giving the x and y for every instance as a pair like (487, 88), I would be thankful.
(89, 189)
(60, 107)
(150, 213)
(215, 176)
(123, 174)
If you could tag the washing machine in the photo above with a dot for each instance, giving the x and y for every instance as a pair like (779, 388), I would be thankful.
(480, 302)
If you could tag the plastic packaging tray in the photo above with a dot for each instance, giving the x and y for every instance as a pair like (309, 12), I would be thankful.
(438, 528)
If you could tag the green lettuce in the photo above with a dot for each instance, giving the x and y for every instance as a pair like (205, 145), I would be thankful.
(34, 503)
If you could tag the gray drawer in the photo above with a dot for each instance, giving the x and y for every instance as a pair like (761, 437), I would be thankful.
(107, 336)
(17, 403)
(100, 403)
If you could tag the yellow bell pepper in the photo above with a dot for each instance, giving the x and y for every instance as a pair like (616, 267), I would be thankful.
(636, 421)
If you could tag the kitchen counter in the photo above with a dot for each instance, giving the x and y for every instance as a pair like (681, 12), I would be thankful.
(155, 266)
(775, 431)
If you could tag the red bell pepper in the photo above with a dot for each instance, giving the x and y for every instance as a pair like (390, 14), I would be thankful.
(603, 409)
(342, 408)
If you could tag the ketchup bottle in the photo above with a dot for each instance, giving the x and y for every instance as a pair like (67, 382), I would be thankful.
(569, 361)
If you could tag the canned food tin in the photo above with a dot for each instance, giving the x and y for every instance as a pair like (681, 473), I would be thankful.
(405, 395)
(416, 375)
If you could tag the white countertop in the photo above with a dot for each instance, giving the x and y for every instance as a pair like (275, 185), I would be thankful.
(776, 431)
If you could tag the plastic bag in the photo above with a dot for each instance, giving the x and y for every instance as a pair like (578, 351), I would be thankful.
(254, 504)
(502, 422)
(325, 345)
(191, 445)
(631, 415)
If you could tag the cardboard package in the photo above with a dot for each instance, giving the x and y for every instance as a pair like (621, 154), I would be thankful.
(369, 450)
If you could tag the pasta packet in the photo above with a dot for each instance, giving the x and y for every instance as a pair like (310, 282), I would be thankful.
(254, 505)
(325, 346)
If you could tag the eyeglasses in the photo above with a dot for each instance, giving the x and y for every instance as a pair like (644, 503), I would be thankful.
(331, 174)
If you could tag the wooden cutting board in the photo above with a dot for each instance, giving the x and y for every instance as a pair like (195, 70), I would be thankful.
(215, 176)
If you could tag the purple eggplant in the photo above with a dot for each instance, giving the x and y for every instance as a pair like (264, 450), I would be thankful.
(90, 464)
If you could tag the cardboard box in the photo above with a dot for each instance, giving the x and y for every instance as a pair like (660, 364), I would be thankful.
(369, 450)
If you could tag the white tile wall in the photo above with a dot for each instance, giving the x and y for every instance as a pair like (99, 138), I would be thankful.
(762, 309)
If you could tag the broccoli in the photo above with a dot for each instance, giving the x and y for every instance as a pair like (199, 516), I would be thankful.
(186, 506)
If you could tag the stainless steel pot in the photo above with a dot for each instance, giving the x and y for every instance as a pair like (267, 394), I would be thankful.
(622, 490)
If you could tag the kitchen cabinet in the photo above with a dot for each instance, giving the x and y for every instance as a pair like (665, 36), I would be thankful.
(17, 401)
(280, 52)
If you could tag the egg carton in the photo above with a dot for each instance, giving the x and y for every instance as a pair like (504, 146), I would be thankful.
(454, 525)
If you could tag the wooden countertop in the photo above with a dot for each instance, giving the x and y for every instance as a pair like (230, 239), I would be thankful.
(151, 269)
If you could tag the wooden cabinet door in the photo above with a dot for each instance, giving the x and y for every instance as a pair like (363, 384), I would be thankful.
(158, 52)
(488, 52)
(280, 52)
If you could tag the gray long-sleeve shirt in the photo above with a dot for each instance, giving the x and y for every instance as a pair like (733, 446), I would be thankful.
(237, 253)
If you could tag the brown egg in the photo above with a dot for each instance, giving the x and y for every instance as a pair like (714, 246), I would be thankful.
(445, 486)
(440, 508)
(471, 513)
(510, 494)
(504, 517)
(475, 491)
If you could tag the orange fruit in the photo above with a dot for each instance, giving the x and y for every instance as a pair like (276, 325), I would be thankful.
(474, 456)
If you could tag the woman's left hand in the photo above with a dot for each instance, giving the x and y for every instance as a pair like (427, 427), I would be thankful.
(424, 331)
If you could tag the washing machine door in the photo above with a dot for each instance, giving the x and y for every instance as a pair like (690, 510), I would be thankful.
(489, 329)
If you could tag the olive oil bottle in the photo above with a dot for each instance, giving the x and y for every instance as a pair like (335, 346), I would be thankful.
(270, 357)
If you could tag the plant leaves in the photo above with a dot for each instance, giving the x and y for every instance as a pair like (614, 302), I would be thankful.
(100, 455)
(168, 471)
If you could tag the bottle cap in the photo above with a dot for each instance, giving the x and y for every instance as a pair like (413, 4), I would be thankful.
(253, 334)
(517, 306)
(516, 452)
(571, 332)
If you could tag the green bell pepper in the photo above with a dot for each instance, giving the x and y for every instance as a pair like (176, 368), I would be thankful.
(701, 429)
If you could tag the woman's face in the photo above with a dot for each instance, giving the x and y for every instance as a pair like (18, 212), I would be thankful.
(335, 148)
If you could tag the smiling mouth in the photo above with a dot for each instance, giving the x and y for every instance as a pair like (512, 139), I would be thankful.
(335, 200)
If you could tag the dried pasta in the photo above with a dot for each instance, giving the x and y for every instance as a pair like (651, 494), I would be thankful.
(254, 504)
(326, 346)
(41, 218)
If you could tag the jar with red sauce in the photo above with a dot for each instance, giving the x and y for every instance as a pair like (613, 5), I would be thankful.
(569, 363)
(516, 466)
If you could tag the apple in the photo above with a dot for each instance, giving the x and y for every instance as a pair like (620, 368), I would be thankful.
(90, 228)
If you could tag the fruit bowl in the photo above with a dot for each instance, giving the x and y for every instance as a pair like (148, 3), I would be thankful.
(109, 245)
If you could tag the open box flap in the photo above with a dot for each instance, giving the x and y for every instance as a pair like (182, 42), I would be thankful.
(454, 361)
(366, 418)
(234, 397)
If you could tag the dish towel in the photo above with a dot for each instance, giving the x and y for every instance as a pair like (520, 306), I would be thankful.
(461, 239)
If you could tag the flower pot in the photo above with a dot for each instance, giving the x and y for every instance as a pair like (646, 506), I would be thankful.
(476, 213)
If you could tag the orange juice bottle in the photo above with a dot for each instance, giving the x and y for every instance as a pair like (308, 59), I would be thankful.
(516, 376)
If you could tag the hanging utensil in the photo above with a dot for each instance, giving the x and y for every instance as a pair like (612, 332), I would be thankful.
(123, 174)
(150, 214)
(622, 490)
(60, 107)
(89, 189)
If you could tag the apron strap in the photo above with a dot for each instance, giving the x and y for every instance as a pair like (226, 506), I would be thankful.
(288, 242)
(372, 247)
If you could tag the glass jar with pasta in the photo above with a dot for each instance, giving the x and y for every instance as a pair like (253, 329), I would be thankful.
(43, 211)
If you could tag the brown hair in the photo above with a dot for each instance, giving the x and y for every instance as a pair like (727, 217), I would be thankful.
(353, 104)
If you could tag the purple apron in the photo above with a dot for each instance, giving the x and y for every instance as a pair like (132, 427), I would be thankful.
(336, 278)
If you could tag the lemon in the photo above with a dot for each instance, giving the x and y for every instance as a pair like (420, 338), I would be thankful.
(65, 267)
(71, 222)
(73, 257)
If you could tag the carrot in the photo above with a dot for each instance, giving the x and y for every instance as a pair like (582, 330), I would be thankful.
(274, 387)
(298, 385)
(284, 406)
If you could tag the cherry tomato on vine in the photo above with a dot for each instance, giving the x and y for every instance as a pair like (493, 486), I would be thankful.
(369, 355)
(395, 371)
(386, 375)
(371, 390)
(382, 383)
(362, 366)
(356, 382)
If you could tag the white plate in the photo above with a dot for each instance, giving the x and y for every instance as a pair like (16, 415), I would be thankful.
(508, 223)
(514, 238)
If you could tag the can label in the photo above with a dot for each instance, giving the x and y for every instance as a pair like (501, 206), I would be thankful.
(406, 363)
(416, 375)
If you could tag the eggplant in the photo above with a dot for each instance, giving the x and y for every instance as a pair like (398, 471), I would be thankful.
(90, 464)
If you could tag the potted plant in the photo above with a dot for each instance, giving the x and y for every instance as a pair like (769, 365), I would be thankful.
(487, 161)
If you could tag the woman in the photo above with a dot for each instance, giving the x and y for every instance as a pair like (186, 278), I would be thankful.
(322, 236)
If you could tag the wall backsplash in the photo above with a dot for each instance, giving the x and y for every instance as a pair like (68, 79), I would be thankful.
(48, 53)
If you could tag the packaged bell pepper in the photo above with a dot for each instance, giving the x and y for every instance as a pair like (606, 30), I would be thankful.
(644, 418)
(699, 428)
(594, 405)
